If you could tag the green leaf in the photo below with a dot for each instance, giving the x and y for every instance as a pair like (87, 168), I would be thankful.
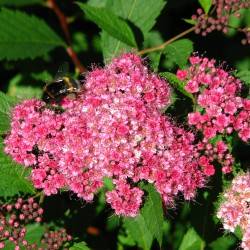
(111, 23)
(206, 5)
(79, 246)
(131, 10)
(112, 47)
(34, 233)
(190, 21)
(142, 14)
(191, 241)
(126, 240)
(177, 84)
(153, 38)
(148, 225)
(244, 75)
(138, 229)
(6, 102)
(178, 52)
(238, 232)
(97, 3)
(153, 213)
(223, 243)
(108, 183)
(13, 177)
(17, 88)
(23, 36)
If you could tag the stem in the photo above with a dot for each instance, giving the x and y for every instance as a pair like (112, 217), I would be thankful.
(163, 45)
(65, 28)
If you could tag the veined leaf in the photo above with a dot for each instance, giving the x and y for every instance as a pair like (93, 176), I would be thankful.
(131, 10)
(23, 36)
(178, 52)
(109, 22)
(112, 47)
(191, 241)
(148, 225)
(13, 177)
(206, 5)
(176, 83)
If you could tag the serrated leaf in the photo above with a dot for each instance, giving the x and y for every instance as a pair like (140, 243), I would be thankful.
(178, 52)
(148, 225)
(191, 241)
(153, 213)
(13, 177)
(223, 243)
(20, 2)
(206, 5)
(142, 14)
(176, 83)
(79, 246)
(244, 75)
(23, 36)
(6, 102)
(109, 22)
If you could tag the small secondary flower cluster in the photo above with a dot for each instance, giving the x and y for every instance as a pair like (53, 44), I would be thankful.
(220, 109)
(113, 129)
(235, 208)
(13, 220)
(224, 9)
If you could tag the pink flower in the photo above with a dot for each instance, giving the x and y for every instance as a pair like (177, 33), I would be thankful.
(192, 86)
(209, 170)
(125, 200)
(181, 74)
(234, 209)
(194, 118)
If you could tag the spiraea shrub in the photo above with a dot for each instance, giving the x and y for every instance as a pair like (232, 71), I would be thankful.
(140, 140)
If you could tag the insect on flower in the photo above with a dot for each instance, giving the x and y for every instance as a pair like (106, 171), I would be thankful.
(62, 85)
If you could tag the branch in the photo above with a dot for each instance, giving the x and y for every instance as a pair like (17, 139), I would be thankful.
(65, 28)
(163, 45)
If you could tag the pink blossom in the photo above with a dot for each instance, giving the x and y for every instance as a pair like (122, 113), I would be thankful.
(234, 209)
(115, 129)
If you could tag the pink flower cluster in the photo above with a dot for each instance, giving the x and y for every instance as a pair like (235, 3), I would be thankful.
(219, 20)
(113, 129)
(235, 208)
(220, 109)
(13, 219)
